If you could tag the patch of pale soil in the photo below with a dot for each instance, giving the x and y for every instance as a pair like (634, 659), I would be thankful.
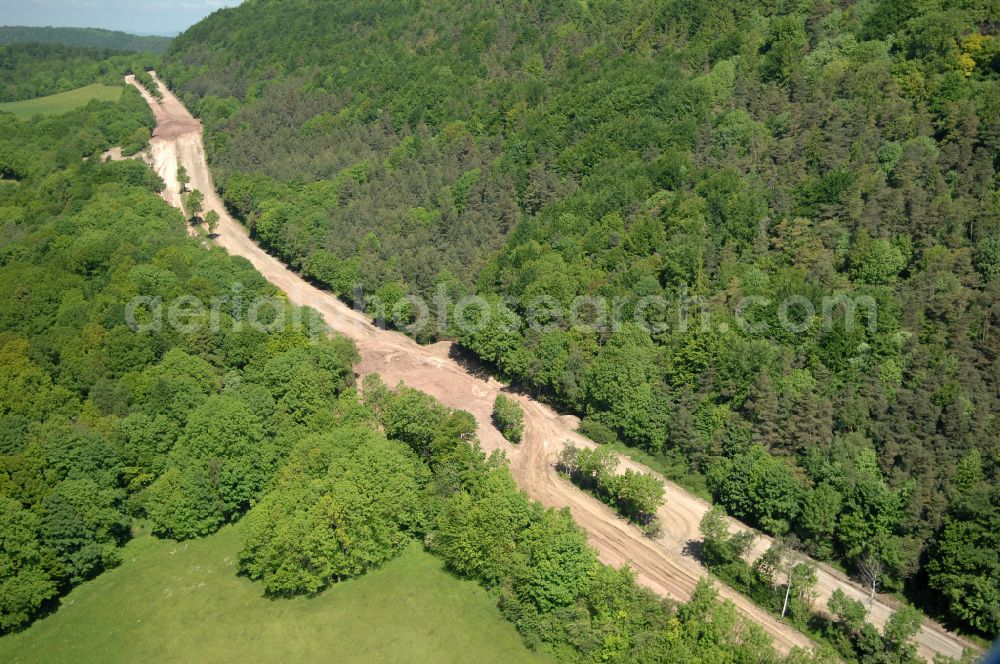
(114, 154)
(662, 564)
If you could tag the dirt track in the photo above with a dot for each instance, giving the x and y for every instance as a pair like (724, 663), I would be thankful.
(661, 564)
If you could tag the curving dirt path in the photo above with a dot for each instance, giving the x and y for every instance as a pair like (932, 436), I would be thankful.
(662, 564)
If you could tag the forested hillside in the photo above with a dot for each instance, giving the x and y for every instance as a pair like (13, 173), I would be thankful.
(672, 149)
(142, 379)
(190, 426)
(86, 37)
(34, 149)
(36, 70)
(102, 420)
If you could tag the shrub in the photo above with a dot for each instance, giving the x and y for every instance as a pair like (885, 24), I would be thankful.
(597, 432)
(509, 418)
(636, 496)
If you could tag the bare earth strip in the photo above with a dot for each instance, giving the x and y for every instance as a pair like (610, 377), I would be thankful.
(662, 564)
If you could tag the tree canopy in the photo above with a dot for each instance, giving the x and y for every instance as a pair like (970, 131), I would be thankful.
(832, 157)
(107, 413)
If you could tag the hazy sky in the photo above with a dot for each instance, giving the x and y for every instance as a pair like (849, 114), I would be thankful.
(161, 17)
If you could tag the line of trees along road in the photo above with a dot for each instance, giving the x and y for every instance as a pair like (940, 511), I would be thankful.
(624, 149)
(783, 581)
(405, 466)
(636, 496)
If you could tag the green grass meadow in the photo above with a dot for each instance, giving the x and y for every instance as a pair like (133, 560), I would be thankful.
(62, 102)
(172, 601)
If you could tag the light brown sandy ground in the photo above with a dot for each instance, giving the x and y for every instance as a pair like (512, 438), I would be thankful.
(661, 564)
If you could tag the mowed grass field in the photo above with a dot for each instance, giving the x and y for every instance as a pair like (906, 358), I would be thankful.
(176, 602)
(62, 102)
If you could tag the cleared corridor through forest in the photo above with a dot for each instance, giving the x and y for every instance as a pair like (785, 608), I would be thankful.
(660, 564)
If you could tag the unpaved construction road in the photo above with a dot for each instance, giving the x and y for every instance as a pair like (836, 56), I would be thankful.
(662, 564)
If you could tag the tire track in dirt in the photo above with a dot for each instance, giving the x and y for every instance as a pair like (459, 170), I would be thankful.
(663, 565)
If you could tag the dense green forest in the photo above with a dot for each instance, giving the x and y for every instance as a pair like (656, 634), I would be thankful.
(109, 413)
(33, 149)
(711, 150)
(397, 465)
(37, 70)
(86, 37)
(189, 426)
(101, 422)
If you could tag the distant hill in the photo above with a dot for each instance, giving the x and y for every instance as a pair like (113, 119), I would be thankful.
(28, 71)
(90, 37)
